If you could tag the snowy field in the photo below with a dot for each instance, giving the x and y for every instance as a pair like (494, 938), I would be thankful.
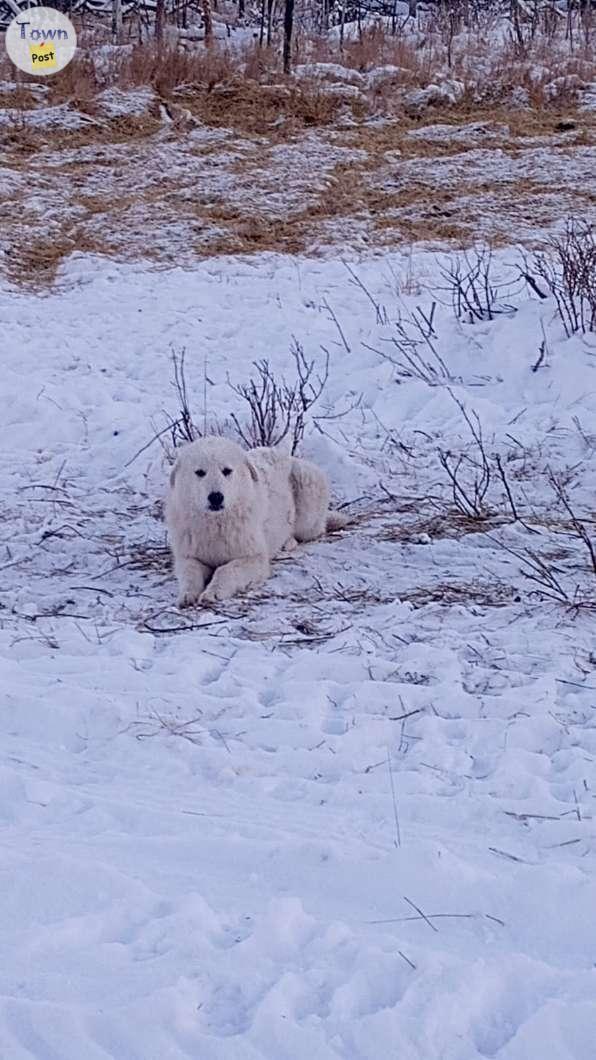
(349, 816)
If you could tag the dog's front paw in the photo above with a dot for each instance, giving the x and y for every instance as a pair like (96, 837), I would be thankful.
(211, 595)
(189, 598)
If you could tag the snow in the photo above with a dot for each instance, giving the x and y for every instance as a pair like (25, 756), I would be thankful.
(115, 103)
(381, 75)
(60, 116)
(446, 92)
(349, 816)
(331, 71)
(588, 97)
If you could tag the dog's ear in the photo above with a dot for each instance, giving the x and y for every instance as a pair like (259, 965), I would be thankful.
(173, 474)
(254, 474)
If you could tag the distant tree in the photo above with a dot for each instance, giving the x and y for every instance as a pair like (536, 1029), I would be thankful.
(160, 13)
(288, 27)
(117, 21)
(207, 19)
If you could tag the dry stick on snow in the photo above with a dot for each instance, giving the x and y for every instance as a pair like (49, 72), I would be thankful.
(419, 911)
(469, 498)
(394, 799)
(577, 524)
(506, 486)
(539, 573)
(381, 312)
(184, 424)
(326, 306)
(205, 397)
(183, 427)
(155, 438)
(507, 856)
(182, 628)
(408, 714)
(541, 356)
(429, 917)
(543, 349)
(589, 444)
(407, 960)
(531, 282)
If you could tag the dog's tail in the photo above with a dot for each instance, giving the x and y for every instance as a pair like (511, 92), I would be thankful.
(336, 521)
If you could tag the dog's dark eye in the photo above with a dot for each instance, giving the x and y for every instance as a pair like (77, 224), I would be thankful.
(227, 471)
(200, 473)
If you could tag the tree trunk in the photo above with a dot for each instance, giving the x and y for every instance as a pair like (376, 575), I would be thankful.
(117, 21)
(206, 5)
(288, 27)
(269, 21)
(159, 20)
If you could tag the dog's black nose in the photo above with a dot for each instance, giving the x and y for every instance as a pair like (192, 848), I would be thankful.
(216, 500)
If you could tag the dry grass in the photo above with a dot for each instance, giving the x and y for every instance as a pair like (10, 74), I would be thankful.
(253, 161)
(490, 66)
(481, 594)
(256, 234)
(34, 262)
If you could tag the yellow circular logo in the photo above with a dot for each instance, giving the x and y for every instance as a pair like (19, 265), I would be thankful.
(41, 40)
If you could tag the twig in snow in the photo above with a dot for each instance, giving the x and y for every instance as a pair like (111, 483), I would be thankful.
(428, 917)
(407, 960)
(397, 830)
(409, 714)
(326, 306)
(577, 523)
(381, 312)
(420, 913)
(508, 857)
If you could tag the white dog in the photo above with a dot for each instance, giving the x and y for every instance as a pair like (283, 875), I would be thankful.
(229, 512)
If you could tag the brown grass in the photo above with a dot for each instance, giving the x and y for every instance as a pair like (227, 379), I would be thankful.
(35, 261)
(382, 195)
(490, 68)
(254, 234)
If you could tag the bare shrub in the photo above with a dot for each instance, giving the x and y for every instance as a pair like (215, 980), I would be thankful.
(79, 81)
(168, 67)
(279, 409)
(182, 429)
(473, 292)
(577, 525)
(546, 572)
(414, 348)
(545, 575)
(473, 474)
(566, 269)
(469, 474)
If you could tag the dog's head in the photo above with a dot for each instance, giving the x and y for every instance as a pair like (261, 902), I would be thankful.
(214, 474)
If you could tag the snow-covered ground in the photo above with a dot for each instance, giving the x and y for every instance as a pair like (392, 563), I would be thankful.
(350, 816)
(133, 175)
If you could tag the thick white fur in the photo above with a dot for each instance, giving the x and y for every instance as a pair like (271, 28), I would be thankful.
(272, 501)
